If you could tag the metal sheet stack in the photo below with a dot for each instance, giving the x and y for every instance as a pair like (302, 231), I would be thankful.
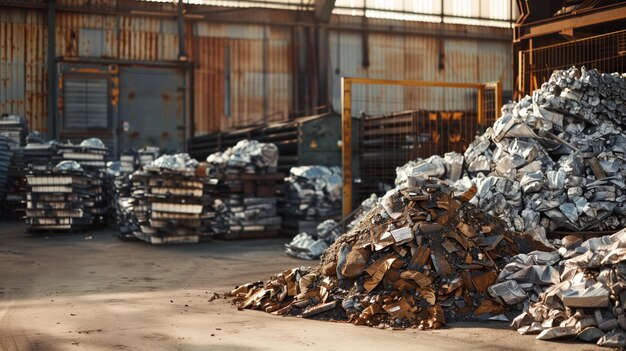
(244, 188)
(312, 195)
(168, 200)
(42, 156)
(14, 127)
(247, 206)
(60, 199)
(6, 155)
(90, 155)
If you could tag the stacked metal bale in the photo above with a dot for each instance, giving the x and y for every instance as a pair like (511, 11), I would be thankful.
(556, 159)
(168, 200)
(14, 127)
(90, 155)
(312, 194)
(244, 188)
(60, 199)
(6, 156)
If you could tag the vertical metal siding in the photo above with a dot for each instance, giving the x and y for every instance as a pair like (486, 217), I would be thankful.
(244, 44)
(23, 38)
(415, 57)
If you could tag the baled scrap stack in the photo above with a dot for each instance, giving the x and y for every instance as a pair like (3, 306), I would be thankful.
(14, 127)
(90, 155)
(6, 155)
(553, 160)
(60, 199)
(311, 246)
(418, 259)
(245, 190)
(167, 200)
(577, 292)
(42, 156)
(312, 195)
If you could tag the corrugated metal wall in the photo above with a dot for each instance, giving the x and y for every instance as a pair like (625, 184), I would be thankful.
(231, 85)
(23, 80)
(414, 57)
(244, 74)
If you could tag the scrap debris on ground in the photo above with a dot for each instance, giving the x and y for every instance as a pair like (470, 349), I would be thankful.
(418, 259)
(555, 159)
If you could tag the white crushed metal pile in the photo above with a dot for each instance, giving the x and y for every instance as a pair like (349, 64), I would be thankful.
(554, 160)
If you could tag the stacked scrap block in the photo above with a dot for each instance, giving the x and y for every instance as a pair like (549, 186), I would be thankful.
(247, 206)
(245, 184)
(60, 200)
(5, 162)
(312, 195)
(14, 127)
(168, 205)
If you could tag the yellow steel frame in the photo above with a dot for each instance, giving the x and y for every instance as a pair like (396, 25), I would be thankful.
(346, 117)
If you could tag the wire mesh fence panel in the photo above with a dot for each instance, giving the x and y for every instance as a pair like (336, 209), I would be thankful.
(402, 123)
(606, 53)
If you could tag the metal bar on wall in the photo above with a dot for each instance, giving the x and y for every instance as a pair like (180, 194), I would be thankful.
(51, 52)
(346, 143)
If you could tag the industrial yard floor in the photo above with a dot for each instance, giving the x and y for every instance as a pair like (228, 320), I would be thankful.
(91, 291)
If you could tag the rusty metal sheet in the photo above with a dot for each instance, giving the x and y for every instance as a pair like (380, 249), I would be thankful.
(22, 65)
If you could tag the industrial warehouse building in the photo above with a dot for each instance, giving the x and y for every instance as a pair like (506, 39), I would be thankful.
(455, 165)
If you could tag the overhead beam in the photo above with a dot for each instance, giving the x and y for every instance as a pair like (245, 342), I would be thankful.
(576, 20)
(323, 10)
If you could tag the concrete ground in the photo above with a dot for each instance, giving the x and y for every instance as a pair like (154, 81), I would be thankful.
(91, 291)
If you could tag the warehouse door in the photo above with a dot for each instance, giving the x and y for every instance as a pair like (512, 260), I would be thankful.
(86, 109)
(152, 108)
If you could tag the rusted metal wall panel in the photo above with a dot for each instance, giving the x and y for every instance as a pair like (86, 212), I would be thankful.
(416, 57)
(121, 37)
(23, 37)
(239, 70)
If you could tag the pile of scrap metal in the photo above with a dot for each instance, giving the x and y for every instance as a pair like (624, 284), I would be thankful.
(554, 160)
(577, 292)
(311, 246)
(247, 156)
(244, 187)
(60, 199)
(168, 200)
(418, 259)
(312, 194)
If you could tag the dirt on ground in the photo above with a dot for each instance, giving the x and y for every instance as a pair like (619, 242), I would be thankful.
(91, 291)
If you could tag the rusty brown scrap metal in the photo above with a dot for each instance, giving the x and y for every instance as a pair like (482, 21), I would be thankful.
(419, 259)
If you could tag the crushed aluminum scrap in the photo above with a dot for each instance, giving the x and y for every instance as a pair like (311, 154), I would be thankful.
(577, 292)
(555, 159)
(418, 259)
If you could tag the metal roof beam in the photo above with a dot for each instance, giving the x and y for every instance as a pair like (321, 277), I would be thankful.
(323, 10)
